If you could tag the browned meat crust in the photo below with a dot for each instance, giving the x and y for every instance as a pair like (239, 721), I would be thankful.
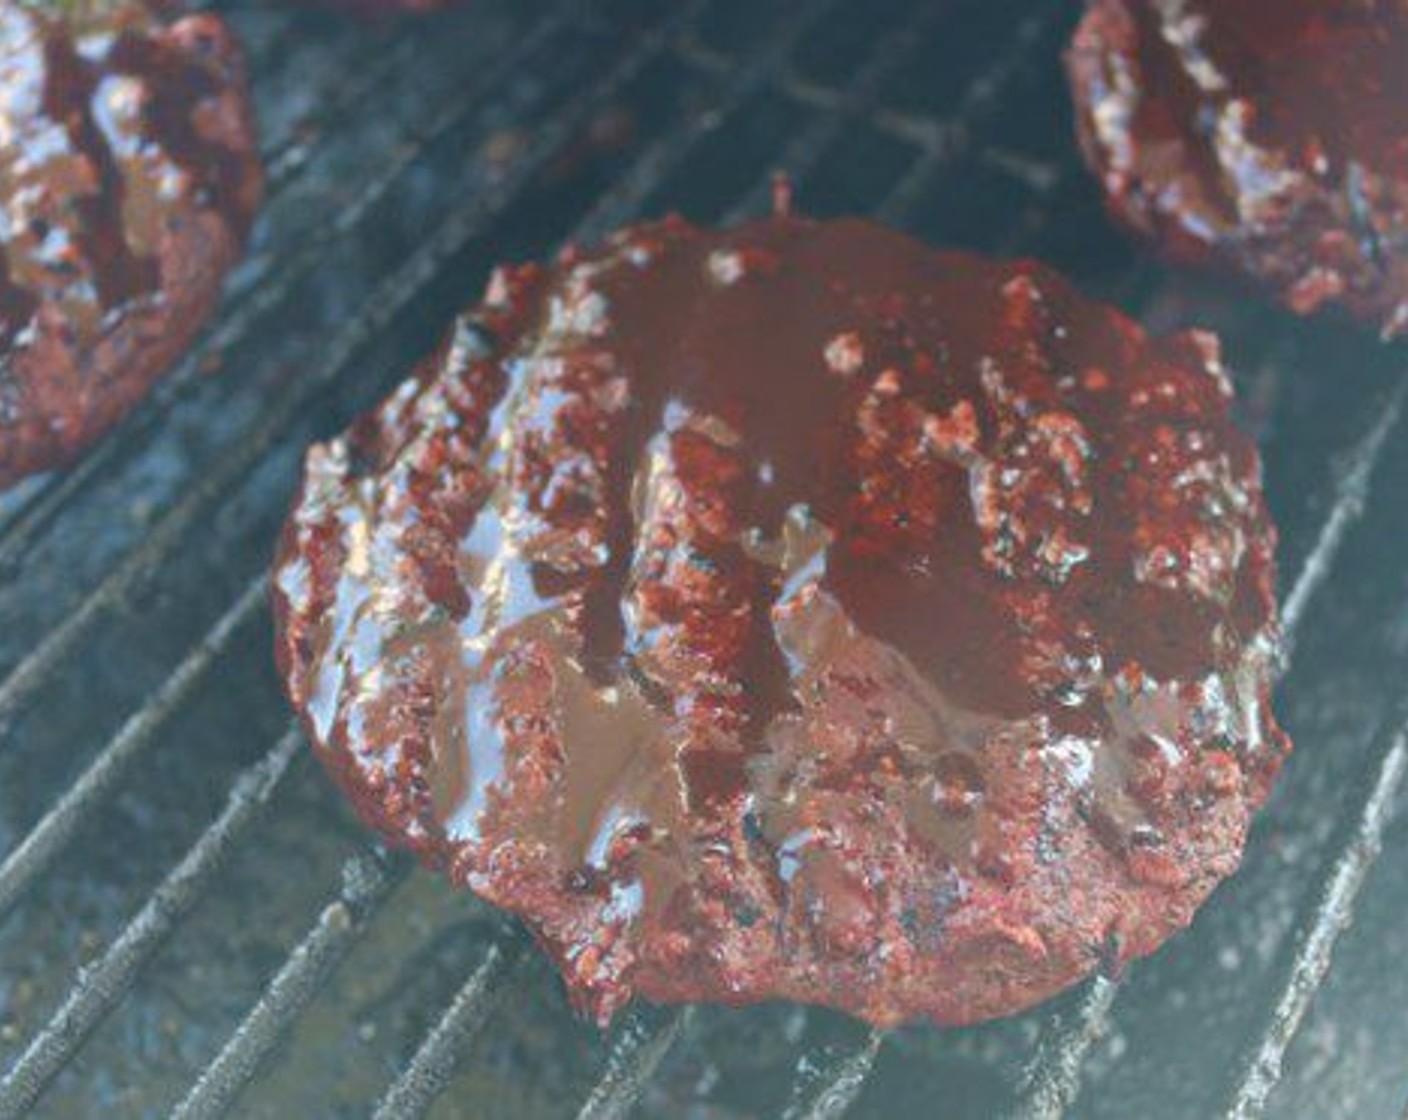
(798, 612)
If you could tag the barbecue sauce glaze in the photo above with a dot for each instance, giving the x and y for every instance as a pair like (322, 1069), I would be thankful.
(798, 611)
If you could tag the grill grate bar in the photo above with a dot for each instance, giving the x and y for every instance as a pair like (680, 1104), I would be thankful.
(623, 201)
(43, 843)
(366, 882)
(292, 152)
(387, 300)
(101, 985)
(1309, 961)
(637, 1054)
(808, 146)
(1052, 1080)
(951, 139)
(914, 129)
(262, 282)
(826, 1089)
(439, 1054)
(1347, 507)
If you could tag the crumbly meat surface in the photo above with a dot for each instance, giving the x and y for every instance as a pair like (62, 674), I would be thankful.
(798, 612)
(129, 177)
(1269, 139)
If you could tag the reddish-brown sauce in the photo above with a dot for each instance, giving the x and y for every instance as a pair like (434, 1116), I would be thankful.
(720, 602)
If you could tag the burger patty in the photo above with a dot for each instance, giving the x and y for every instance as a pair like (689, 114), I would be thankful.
(1269, 138)
(128, 180)
(798, 612)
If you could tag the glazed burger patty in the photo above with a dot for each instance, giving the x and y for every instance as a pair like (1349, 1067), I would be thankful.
(798, 612)
(128, 180)
(1270, 138)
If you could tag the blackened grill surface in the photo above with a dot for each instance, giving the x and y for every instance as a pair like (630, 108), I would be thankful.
(1010, 181)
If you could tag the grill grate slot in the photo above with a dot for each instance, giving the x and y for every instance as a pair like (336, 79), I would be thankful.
(1350, 500)
(289, 155)
(826, 1087)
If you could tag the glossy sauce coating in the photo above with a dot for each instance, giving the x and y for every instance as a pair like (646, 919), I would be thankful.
(128, 180)
(798, 612)
(1270, 138)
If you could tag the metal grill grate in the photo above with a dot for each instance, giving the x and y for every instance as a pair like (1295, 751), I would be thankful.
(952, 145)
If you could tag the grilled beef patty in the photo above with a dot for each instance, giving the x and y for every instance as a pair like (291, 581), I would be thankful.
(128, 180)
(798, 612)
(1268, 137)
